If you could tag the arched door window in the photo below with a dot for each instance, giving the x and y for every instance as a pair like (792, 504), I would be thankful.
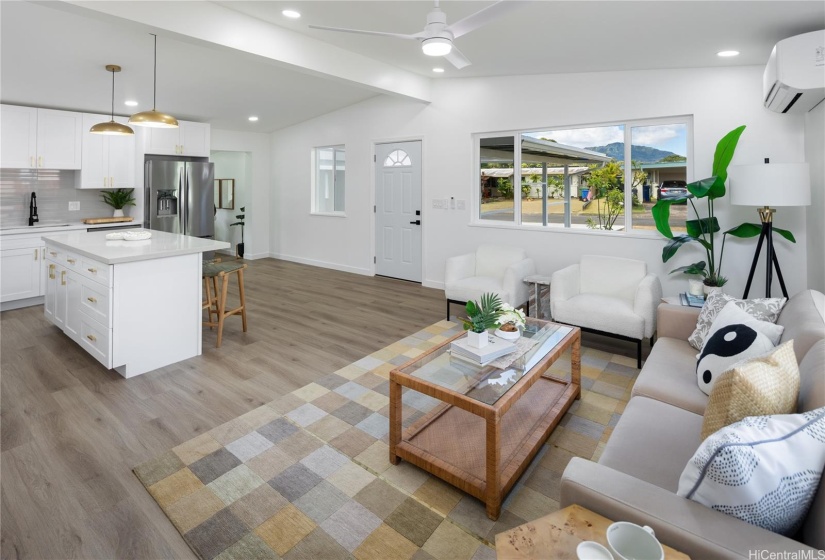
(397, 158)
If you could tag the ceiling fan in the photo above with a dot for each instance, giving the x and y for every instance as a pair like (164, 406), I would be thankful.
(437, 37)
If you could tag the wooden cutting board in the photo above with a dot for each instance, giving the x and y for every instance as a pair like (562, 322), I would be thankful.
(106, 220)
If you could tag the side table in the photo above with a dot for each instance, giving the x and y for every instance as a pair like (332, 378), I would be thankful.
(537, 280)
(557, 535)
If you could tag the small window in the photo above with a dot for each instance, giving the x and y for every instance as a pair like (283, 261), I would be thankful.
(328, 191)
(397, 158)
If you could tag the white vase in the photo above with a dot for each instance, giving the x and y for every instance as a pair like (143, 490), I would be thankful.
(118, 213)
(478, 340)
(710, 289)
(696, 288)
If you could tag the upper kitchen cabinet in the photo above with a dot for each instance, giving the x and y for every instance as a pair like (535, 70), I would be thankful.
(108, 160)
(189, 139)
(40, 138)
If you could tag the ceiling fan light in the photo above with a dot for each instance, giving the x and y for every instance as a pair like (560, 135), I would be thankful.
(111, 128)
(153, 119)
(436, 46)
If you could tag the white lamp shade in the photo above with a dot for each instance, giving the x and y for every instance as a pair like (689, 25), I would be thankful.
(436, 46)
(770, 184)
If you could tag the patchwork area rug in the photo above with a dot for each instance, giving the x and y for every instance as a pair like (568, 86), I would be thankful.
(308, 476)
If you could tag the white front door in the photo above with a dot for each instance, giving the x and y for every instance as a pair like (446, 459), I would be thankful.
(398, 219)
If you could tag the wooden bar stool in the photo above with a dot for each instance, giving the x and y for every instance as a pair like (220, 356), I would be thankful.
(215, 302)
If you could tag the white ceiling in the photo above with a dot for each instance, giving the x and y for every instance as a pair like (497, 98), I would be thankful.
(55, 57)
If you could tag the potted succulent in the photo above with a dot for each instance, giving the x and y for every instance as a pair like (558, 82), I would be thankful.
(510, 322)
(118, 199)
(240, 217)
(481, 315)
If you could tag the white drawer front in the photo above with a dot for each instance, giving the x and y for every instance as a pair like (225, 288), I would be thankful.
(96, 270)
(55, 255)
(70, 260)
(96, 340)
(96, 302)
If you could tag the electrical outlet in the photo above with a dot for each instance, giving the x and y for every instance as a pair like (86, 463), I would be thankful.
(462, 204)
(438, 203)
(74, 205)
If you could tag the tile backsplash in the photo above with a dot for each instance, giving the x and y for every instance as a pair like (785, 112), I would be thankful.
(54, 188)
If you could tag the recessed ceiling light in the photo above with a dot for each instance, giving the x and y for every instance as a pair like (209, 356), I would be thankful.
(253, 119)
(292, 14)
(438, 70)
(130, 103)
(727, 53)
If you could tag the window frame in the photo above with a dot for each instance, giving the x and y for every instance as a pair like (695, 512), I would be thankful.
(475, 216)
(314, 211)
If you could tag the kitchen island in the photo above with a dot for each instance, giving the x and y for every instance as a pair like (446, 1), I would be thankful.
(135, 306)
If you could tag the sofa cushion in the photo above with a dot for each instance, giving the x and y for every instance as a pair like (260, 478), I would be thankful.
(653, 441)
(669, 375)
(588, 310)
(764, 470)
(733, 337)
(493, 260)
(804, 322)
(764, 309)
(767, 384)
(625, 276)
(473, 287)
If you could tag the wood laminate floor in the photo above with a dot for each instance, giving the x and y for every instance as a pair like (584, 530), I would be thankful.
(72, 431)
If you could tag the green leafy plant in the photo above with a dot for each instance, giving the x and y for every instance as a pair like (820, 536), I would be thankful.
(702, 230)
(118, 198)
(484, 314)
(606, 183)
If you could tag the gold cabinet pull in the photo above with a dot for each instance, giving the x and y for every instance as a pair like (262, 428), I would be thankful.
(62, 277)
(104, 182)
(51, 272)
(91, 299)
(36, 251)
(70, 261)
(91, 337)
(92, 270)
(40, 161)
(31, 158)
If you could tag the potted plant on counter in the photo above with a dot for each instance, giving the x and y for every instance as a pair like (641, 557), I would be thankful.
(240, 246)
(481, 315)
(118, 199)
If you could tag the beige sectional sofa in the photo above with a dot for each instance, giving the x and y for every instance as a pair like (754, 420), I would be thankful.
(638, 473)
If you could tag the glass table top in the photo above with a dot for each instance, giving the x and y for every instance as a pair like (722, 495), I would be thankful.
(487, 383)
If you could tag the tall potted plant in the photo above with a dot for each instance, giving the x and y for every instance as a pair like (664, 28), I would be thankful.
(702, 229)
(240, 217)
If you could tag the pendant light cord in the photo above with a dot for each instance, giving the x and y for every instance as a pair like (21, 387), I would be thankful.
(155, 91)
(113, 95)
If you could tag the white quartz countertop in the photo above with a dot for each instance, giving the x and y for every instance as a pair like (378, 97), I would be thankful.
(93, 244)
(61, 227)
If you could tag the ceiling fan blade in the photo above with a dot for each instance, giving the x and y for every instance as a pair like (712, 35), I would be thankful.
(363, 32)
(483, 17)
(457, 59)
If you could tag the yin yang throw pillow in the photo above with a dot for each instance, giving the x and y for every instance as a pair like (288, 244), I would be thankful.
(733, 337)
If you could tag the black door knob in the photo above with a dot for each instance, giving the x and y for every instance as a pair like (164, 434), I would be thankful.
(417, 222)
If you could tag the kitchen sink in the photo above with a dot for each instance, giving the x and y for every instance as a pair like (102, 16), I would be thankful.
(35, 227)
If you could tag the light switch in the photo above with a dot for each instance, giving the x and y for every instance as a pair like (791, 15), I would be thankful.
(438, 203)
(74, 205)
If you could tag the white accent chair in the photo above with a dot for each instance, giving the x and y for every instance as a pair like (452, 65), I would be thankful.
(492, 268)
(608, 295)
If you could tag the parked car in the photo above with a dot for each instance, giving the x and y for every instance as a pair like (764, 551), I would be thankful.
(672, 189)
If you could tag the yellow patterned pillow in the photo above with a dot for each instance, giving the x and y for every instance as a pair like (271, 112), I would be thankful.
(764, 385)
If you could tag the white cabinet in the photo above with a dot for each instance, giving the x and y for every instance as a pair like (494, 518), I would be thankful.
(40, 138)
(108, 161)
(20, 273)
(189, 139)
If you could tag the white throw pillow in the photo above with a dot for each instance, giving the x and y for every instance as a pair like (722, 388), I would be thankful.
(734, 336)
(764, 470)
(764, 309)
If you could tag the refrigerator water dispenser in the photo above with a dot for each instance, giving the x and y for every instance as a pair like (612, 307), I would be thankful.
(167, 203)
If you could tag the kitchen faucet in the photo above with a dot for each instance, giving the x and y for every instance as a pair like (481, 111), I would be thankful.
(33, 210)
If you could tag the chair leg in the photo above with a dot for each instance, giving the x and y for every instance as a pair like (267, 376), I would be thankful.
(222, 307)
(448, 310)
(243, 298)
(639, 353)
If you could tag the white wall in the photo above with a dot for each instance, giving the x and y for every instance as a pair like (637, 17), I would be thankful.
(815, 156)
(237, 166)
(718, 99)
(256, 195)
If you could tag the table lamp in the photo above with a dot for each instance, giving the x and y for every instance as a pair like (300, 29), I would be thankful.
(766, 185)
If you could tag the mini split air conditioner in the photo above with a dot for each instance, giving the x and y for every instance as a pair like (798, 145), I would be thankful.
(794, 80)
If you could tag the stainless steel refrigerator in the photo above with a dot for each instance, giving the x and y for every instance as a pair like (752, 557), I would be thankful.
(179, 195)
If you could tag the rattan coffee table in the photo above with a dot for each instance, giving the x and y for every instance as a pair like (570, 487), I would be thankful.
(482, 425)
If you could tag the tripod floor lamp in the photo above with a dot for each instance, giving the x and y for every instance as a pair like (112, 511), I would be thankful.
(766, 185)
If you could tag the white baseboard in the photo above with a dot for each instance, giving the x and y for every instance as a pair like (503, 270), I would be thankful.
(322, 264)
(438, 285)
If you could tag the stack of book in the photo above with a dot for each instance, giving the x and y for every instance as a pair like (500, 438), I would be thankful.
(691, 300)
(496, 348)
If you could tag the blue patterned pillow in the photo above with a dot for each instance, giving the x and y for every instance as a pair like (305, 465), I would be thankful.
(764, 470)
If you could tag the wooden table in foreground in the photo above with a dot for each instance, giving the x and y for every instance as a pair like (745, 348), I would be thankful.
(490, 422)
(557, 535)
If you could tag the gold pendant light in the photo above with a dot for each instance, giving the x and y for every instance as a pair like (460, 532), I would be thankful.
(112, 127)
(154, 118)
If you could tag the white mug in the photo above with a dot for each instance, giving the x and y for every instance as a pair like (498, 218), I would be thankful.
(629, 541)
(696, 288)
